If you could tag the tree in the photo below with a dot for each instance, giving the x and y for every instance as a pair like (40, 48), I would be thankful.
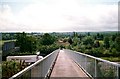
(80, 36)
(47, 49)
(47, 39)
(88, 40)
(98, 35)
(113, 37)
(70, 41)
(88, 33)
(101, 37)
(117, 43)
(75, 34)
(26, 43)
(106, 42)
(97, 44)
(31, 43)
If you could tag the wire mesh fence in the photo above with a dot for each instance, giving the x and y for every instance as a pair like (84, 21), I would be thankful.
(95, 67)
(39, 69)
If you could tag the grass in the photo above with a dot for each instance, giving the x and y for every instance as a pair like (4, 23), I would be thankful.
(113, 59)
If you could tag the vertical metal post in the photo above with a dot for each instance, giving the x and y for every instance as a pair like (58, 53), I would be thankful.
(118, 72)
(30, 74)
(86, 63)
(95, 68)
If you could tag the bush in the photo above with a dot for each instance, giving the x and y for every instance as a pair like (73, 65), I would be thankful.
(88, 40)
(9, 68)
(88, 51)
(47, 49)
(114, 52)
(97, 52)
(82, 48)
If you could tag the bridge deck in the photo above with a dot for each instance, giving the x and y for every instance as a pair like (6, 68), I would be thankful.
(66, 67)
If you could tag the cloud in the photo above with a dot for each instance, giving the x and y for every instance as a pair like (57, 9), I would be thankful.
(62, 15)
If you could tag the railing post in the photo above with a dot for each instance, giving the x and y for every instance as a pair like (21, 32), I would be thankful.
(118, 72)
(86, 63)
(95, 68)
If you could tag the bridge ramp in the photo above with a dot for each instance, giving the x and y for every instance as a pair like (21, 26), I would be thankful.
(66, 67)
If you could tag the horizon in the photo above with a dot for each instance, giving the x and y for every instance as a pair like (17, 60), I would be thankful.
(61, 32)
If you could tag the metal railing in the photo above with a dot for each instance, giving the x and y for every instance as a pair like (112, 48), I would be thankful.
(40, 69)
(95, 67)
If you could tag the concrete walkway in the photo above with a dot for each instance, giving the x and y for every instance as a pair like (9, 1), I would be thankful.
(66, 67)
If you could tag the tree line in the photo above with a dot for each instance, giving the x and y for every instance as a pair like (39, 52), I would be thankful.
(100, 45)
(97, 44)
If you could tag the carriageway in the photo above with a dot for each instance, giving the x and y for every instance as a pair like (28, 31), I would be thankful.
(72, 65)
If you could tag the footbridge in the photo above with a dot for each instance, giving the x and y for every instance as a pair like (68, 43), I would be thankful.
(72, 65)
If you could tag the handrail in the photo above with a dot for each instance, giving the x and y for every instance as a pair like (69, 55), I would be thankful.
(31, 66)
(95, 67)
(89, 63)
(113, 63)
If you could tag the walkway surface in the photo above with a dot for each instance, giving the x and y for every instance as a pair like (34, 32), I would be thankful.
(66, 67)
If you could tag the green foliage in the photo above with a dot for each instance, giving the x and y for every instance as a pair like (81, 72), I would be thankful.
(82, 48)
(80, 36)
(113, 37)
(70, 41)
(45, 50)
(106, 52)
(26, 43)
(96, 44)
(75, 34)
(88, 33)
(69, 47)
(47, 39)
(9, 68)
(8, 36)
(76, 41)
(88, 51)
(117, 43)
(99, 36)
(88, 40)
(96, 52)
(106, 42)
(114, 59)
(91, 43)
(65, 40)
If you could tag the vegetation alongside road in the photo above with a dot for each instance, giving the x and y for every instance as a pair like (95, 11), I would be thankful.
(113, 59)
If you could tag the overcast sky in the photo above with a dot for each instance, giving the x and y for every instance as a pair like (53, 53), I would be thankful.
(58, 15)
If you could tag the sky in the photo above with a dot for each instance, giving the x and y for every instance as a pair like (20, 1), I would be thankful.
(58, 15)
